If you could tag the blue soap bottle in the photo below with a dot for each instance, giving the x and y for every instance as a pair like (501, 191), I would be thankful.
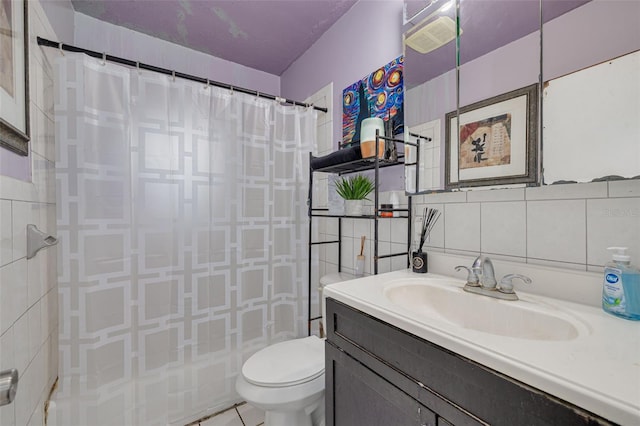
(621, 286)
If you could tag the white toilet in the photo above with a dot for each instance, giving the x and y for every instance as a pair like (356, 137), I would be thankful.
(287, 379)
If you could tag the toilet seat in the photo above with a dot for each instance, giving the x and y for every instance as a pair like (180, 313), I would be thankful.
(287, 363)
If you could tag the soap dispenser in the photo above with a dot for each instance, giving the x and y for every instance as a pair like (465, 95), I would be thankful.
(621, 286)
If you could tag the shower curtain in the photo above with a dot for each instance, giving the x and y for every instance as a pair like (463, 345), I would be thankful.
(182, 221)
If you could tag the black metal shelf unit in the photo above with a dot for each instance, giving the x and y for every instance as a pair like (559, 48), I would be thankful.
(373, 163)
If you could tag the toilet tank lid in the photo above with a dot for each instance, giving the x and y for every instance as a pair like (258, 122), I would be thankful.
(286, 363)
(335, 277)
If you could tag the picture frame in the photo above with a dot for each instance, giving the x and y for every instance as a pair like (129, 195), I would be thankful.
(496, 142)
(14, 76)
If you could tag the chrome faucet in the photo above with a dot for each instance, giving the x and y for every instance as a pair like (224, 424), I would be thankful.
(481, 279)
(483, 267)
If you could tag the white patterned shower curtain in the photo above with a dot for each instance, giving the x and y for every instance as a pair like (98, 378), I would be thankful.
(183, 229)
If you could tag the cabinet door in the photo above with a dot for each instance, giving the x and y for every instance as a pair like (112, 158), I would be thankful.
(357, 396)
(460, 390)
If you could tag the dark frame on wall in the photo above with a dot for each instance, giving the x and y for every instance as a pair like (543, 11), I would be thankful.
(499, 141)
(14, 132)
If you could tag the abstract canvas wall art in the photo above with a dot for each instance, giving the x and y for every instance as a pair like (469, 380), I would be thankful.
(379, 94)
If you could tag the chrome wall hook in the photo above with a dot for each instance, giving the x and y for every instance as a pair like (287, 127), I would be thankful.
(37, 240)
(8, 386)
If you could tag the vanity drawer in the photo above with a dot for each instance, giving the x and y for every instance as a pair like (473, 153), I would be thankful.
(454, 387)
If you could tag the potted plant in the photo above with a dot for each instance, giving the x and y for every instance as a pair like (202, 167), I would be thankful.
(354, 189)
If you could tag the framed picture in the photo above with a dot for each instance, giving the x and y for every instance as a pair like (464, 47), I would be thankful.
(495, 142)
(14, 76)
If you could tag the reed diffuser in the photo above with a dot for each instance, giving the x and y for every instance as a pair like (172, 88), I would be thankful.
(418, 257)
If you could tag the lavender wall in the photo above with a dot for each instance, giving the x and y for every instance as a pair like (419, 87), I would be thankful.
(368, 36)
(334, 58)
(14, 165)
(76, 28)
(593, 33)
(60, 14)
(101, 36)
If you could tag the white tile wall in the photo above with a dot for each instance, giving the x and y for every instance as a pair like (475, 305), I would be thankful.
(568, 226)
(28, 290)
(504, 228)
(612, 222)
(557, 230)
(430, 156)
(462, 226)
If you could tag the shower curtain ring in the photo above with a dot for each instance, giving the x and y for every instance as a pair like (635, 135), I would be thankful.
(257, 95)
(207, 86)
(60, 47)
(104, 58)
(138, 67)
(173, 76)
(231, 90)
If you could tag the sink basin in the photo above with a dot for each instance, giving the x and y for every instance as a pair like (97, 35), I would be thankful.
(447, 301)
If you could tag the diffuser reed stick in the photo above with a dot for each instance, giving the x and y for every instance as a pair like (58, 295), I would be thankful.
(429, 220)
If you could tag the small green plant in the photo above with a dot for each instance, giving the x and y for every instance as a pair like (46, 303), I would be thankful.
(354, 187)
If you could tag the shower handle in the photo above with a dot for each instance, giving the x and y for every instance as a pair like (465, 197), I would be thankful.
(8, 386)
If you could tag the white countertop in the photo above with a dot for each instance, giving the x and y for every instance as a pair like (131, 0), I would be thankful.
(598, 371)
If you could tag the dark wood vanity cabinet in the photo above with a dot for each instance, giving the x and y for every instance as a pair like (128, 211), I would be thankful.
(379, 375)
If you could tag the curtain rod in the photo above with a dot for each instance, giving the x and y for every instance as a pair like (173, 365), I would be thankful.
(140, 65)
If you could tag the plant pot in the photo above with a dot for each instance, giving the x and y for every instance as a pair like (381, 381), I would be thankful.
(353, 207)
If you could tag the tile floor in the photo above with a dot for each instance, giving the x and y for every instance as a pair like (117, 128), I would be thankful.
(242, 415)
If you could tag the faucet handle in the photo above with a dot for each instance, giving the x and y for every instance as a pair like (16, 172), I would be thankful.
(472, 277)
(506, 283)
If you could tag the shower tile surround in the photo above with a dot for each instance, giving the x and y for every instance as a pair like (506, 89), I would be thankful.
(28, 288)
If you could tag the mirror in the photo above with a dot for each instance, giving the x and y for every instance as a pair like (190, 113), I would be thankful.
(430, 89)
(591, 97)
(495, 141)
(500, 52)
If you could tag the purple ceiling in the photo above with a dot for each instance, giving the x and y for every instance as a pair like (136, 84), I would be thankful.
(267, 35)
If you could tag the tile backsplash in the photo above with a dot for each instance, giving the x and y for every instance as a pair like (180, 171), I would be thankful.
(28, 288)
(567, 226)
